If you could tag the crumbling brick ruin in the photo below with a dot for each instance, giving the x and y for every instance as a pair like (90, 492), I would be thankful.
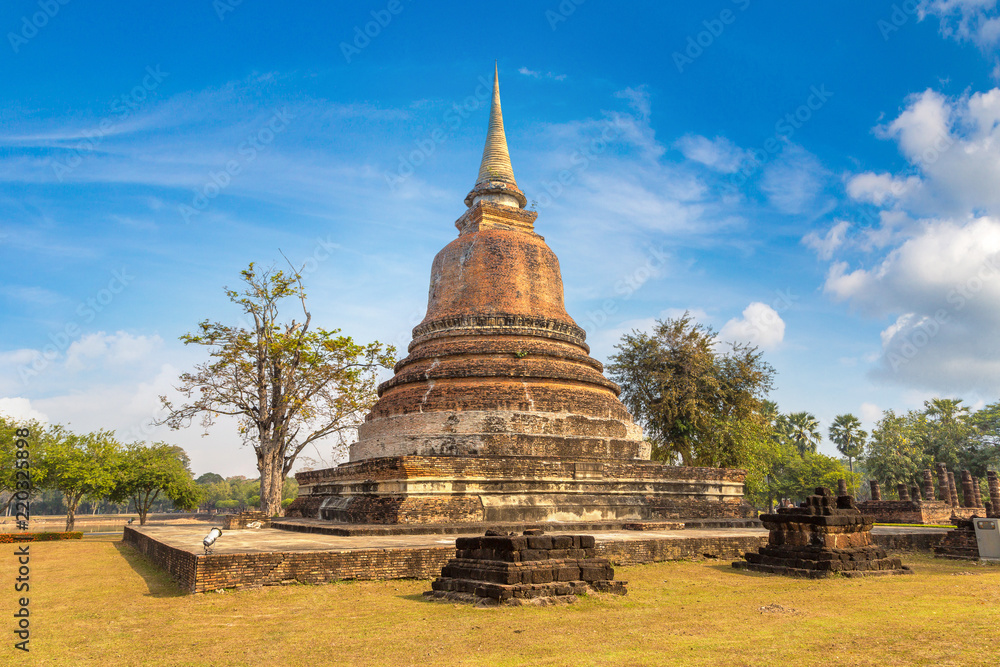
(959, 543)
(826, 535)
(527, 569)
(916, 507)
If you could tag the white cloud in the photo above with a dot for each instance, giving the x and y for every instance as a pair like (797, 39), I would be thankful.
(760, 325)
(974, 21)
(20, 409)
(539, 75)
(953, 145)
(719, 153)
(870, 413)
(115, 349)
(793, 180)
(827, 244)
(878, 189)
(943, 286)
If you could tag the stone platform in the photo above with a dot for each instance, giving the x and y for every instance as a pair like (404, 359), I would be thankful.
(271, 557)
(493, 489)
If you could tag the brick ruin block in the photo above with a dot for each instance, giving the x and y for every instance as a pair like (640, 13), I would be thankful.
(508, 569)
(928, 484)
(959, 543)
(904, 495)
(827, 535)
(944, 492)
(915, 494)
(841, 487)
(993, 481)
(876, 490)
(977, 492)
(968, 493)
(952, 490)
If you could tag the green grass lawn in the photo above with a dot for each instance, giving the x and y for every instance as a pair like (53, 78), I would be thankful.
(98, 602)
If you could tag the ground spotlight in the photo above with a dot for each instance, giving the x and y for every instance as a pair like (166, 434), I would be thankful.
(210, 539)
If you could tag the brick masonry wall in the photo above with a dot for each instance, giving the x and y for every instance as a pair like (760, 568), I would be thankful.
(199, 573)
(934, 512)
(180, 564)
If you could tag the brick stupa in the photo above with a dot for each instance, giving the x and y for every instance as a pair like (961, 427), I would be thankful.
(499, 414)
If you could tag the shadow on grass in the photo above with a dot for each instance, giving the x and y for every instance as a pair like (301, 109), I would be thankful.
(158, 582)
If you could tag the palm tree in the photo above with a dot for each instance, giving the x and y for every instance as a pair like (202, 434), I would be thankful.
(850, 439)
(803, 431)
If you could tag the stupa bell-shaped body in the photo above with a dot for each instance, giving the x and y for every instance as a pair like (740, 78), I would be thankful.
(498, 413)
(497, 367)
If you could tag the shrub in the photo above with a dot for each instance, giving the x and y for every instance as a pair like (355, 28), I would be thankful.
(7, 538)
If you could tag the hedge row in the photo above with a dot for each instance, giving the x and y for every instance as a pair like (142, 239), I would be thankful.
(7, 538)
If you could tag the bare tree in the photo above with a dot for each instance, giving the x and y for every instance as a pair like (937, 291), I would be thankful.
(288, 384)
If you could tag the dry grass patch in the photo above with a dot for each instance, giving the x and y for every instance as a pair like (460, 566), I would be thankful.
(101, 603)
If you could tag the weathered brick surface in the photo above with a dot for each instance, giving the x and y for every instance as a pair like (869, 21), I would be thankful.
(959, 543)
(447, 489)
(933, 512)
(530, 566)
(824, 536)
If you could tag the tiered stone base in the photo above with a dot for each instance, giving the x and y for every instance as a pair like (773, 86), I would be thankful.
(827, 535)
(960, 543)
(816, 563)
(500, 489)
(528, 569)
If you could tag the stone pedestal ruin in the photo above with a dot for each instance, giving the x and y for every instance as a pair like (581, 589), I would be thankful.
(527, 569)
(827, 535)
(959, 543)
(498, 413)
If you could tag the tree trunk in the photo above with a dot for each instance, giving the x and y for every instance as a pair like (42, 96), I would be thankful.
(271, 483)
(71, 504)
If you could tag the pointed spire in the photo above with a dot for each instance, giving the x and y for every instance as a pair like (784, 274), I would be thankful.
(496, 159)
(496, 175)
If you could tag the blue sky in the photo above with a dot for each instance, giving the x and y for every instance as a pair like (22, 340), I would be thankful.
(822, 180)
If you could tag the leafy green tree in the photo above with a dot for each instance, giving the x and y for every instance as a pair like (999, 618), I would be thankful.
(80, 465)
(696, 404)
(146, 471)
(943, 431)
(802, 429)
(12, 478)
(210, 478)
(847, 434)
(983, 450)
(892, 455)
(288, 384)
